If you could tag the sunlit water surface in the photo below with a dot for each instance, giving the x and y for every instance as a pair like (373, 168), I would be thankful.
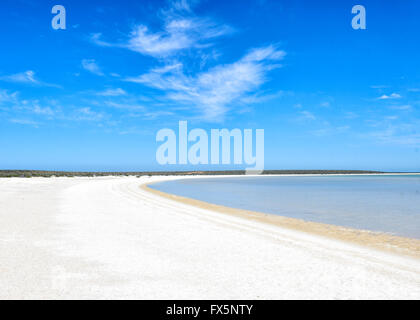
(386, 203)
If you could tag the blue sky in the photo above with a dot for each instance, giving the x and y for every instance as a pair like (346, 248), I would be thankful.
(93, 96)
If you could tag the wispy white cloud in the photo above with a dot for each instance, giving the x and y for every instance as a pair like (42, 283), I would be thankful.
(35, 113)
(12, 102)
(214, 91)
(391, 96)
(26, 77)
(178, 34)
(5, 96)
(381, 86)
(112, 92)
(151, 115)
(42, 110)
(406, 107)
(210, 92)
(87, 114)
(401, 134)
(350, 115)
(181, 30)
(23, 77)
(91, 66)
(307, 115)
(25, 122)
(179, 6)
(96, 39)
(261, 97)
(125, 105)
(330, 130)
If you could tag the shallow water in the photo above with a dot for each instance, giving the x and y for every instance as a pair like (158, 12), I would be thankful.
(385, 203)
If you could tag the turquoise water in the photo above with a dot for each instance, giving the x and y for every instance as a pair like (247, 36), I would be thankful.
(385, 203)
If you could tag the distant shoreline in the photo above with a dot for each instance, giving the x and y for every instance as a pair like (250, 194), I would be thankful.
(44, 173)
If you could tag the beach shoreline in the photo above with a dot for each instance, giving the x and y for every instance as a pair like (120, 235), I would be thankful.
(109, 238)
(373, 239)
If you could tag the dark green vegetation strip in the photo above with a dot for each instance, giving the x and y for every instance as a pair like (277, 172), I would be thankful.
(47, 174)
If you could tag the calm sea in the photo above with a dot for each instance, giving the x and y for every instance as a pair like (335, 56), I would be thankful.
(386, 203)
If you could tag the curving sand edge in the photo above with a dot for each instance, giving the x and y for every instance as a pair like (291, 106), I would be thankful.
(376, 240)
(107, 238)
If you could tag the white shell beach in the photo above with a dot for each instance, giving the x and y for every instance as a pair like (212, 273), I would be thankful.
(108, 238)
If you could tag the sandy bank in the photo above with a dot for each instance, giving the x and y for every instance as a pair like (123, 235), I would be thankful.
(107, 238)
(376, 240)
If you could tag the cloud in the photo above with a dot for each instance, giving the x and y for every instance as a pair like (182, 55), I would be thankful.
(86, 114)
(91, 66)
(350, 115)
(404, 135)
(42, 110)
(330, 130)
(306, 115)
(379, 86)
(392, 96)
(96, 39)
(264, 53)
(406, 107)
(214, 91)
(130, 106)
(23, 77)
(25, 122)
(180, 5)
(34, 112)
(5, 96)
(11, 102)
(155, 114)
(26, 77)
(112, 92)
(181, 30)
(263, 97)
(180, 34)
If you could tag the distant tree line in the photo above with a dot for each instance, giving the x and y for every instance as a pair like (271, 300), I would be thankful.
(48, 174)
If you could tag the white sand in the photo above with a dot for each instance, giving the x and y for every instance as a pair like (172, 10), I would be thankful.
(107, 238)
